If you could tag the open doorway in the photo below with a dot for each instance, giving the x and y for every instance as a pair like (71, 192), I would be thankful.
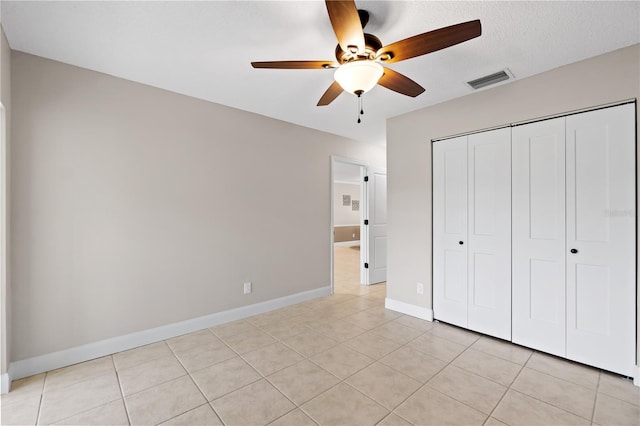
(348, 194)
(358, 225)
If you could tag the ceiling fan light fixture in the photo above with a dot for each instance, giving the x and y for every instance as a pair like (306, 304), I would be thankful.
(358, 77)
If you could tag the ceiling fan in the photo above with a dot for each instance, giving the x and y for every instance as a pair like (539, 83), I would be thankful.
(360, 56)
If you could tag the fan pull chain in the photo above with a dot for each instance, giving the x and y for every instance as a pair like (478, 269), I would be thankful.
(361, 110)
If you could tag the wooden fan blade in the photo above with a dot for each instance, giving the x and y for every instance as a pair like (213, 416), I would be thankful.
(332, 92)
(346, 24)
(400, 83)
(296, 65)
(429, 42)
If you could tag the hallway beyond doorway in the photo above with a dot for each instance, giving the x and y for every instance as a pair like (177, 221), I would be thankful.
(346, 266)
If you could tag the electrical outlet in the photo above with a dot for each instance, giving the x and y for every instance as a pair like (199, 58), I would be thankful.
(247, 287)
(420, 288)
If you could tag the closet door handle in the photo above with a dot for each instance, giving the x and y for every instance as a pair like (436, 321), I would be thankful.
(461, 242)
(574, 251)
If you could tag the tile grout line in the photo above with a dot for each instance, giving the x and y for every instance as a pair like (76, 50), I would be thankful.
(428, 380)
(221, 396)
(595, 402)
(450, 363)
(308, 358)
(305, 358)
(341, 382)
(487, 378)
(564, 380)
(561, 379)
(609, 395)
(265, 377)
(86, 410)
(124, 401)
(509, 387)
(147, 362)
(187, 373)
(207, 402)
(391, 413)
(44, 380)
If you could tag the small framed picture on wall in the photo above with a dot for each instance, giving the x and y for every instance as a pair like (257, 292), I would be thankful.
(355, 205)
(346, 200)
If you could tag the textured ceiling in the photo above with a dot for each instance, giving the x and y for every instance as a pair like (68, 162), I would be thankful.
(204, 49)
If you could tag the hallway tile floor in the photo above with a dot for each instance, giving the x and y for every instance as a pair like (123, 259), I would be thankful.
(339, 360)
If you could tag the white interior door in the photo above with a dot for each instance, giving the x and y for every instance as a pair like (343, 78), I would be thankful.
(489, 233)
(376, 226)
(601, 238)
(539, 250)
(450, 231)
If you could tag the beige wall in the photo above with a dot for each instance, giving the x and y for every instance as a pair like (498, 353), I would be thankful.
(343, 234)
(135, 207)
(5, 290)
(603, 79)
(344, 215)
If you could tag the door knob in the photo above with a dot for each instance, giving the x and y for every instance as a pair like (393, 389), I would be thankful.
(574, 251)
(461, 242)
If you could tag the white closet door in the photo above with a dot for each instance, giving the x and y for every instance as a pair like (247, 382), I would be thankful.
(489, 233)
(450, 231)
(539, 253)
(601, 238)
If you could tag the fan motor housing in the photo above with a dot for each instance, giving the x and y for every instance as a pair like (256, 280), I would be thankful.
(372, 45)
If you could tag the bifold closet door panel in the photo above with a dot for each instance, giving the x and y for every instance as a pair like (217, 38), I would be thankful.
(450, 231)
(601, 238)
(539, 254)
(489, 233)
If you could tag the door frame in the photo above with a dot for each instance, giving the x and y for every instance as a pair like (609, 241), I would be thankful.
(5, 379)
(363, 166)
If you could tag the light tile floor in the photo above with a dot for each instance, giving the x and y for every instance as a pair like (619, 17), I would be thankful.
(339, 360)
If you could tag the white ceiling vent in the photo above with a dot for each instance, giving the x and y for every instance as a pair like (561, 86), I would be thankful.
(490, 79)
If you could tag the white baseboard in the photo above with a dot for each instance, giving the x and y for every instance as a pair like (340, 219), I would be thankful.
(347, 243)
(51, 361)
(5, 383)
(636, 377)
(409, 309)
